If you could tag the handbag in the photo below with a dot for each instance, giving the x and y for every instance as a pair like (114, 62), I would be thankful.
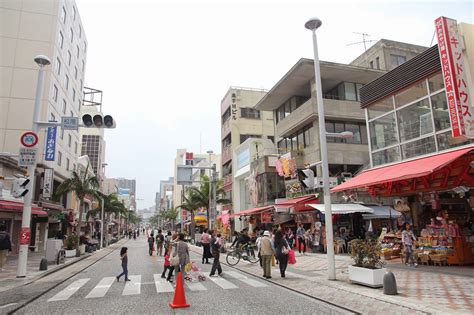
(174, 260)
(285, 250)
(291, 257)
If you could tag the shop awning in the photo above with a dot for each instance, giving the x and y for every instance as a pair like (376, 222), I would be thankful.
(50, 205)
(402, 171)
(15, 206)
(343, 208)
(299, 204)
(253, 211)
(381, 212)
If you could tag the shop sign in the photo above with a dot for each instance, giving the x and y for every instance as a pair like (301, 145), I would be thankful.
(25, 234)
(50, 150)
(286, 167)
(266, 217)
(48, 182)
(450, 45)
(233, 107)
(27, 157)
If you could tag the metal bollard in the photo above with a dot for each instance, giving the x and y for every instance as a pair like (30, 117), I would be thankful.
(389, 284)
(43, 264)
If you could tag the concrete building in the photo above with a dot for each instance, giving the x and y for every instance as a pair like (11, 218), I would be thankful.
(240, 121)
(387, 54)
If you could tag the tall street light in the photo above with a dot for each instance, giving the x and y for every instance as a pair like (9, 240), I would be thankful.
(102, 207)
(313, 24)
(210, 152)
(42, 61)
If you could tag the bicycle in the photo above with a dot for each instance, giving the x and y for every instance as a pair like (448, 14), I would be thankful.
(246, 252)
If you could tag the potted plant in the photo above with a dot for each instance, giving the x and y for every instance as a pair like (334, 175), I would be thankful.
(71, 242)
(368, 268)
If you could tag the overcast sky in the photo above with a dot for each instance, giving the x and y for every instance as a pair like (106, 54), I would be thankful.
(164, 66)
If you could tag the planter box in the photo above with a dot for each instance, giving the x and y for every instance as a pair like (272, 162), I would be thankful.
(70, 253)
(82, 249)
(368, 277)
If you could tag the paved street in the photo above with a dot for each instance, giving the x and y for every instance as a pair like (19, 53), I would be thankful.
(95, 291)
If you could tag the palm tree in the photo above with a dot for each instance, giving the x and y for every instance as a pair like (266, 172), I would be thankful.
(192, 203)
(82, 184)
(111, 206)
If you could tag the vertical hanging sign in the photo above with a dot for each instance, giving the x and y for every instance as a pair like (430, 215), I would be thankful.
(450, 47)
(48, 182)
(50, 150)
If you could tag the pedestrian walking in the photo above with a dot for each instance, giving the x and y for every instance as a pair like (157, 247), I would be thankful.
(408, 238)
(300, 235)
(281, 251)
(160, 239)
(266, 251)
(182, 250)
(124, 258)
(151, 243)
(5, 246)
(216, 243)
(258, 242)
(206, 246)
(167, 266)
(134, 235)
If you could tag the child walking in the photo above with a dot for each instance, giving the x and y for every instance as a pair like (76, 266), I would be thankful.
(167, 266)
(124, 258)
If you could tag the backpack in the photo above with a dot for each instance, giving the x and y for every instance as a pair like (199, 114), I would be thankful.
(5, 241)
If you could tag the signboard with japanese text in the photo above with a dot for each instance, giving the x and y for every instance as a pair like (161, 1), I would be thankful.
(70, 123)
(27, 157)
(450, 45)
(233, 108)
(48, 181)
(50, 150)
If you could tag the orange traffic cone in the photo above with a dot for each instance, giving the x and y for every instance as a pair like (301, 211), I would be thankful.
(179, 296)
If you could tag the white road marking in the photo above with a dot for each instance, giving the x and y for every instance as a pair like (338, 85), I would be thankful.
(67, 292)
(195, 286)
(7, 305)
(162, 285)
(101, 288)
(223, 283)
(245, 279)
(133, 286)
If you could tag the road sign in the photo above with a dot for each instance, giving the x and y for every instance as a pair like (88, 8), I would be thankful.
(27, 157)
(70, 123)
(25, 234)
(29, 139)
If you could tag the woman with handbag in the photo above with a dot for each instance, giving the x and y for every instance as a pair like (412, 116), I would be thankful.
(281, 249)
(182, 251)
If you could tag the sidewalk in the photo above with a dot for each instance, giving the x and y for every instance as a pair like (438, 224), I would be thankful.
(421, 290)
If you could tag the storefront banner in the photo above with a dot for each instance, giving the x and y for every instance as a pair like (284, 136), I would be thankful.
(50, 150)
(450, 45)
(48, 182)
(266, 217)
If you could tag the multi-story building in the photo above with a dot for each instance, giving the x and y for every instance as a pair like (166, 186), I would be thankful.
(127, 192)
(240, 121)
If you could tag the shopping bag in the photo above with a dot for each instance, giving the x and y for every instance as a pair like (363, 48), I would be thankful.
(188, 267)
(273, 261)
(174, 260)
(291, 257)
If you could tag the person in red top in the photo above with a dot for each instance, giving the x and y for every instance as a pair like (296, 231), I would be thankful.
(206, 246)
(167, 266)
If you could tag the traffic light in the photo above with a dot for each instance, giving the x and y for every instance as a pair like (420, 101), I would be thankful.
(306, 178)
(19, 187)
(98, 121)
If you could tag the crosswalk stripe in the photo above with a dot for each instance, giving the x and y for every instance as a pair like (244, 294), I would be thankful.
(101, 288)
(162, 285)
(246, 280)
(223, 283)
(67, 292)
(195, 286)
(133, 286)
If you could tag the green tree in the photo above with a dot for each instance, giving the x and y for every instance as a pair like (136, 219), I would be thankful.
(82, 184)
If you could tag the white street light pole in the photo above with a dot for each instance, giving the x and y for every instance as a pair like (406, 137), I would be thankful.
(313, 24)
(102, 209)
(210, 152)
(42, 61)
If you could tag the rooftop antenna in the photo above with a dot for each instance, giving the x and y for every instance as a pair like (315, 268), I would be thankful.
(364, 41)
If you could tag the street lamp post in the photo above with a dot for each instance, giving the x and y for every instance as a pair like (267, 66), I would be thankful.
(41, 61)
(313, 24)
(210, 152)
(102, 209)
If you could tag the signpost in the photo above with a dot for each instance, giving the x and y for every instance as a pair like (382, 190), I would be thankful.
(29, 139)
(27, 157)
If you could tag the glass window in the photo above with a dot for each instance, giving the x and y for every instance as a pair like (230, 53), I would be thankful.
(71, 34)
(363, 134)
(418, 147)
(350, 90)
(415, 120)
(61, 135)
(371, 65)
(330, 128)
(69, 57)
(446, 141)
(301, 145)
(67, 164)
(412, 93)
(66, 82)
(55, 93)
(293, 104)
(381, 107)
(338, 127)
(355, 129)
(61, 39)
(58, 66)
(436, 82)
(383, 132)
(287, 109)
(397, 60)
(377, 62)
(63, 109)
(60, 157)
(386, 156)
(294, 142)
(69, 140)
(307, 136)
(440, 111)
(358, 86)
(63, 15)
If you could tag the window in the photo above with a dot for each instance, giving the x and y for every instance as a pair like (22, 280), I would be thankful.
(61, 39)
(418, 147)
(75, 147)
(69, 57)
(58, 66)
(381, 107)
(66, 82)
(55, 93)
(440, 111)
(436, 82)
(63, 109)
(355, 129)
(74, 13)
(73, 95)
(62, 134)
(67, 164)
(383, 132)
(377, 63)
(289, 106)
(411, 94)
(75, 73)
(63, 15)
(249, 113)
(386, 156)
(397, 60)
(415, 120)
(446, 141)
(69, 140)
(245, 137)
(77, 51)
(350, 91)
(60, 157)
(371, 65)
(71, 34)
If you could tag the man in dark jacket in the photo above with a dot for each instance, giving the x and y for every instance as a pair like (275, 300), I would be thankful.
(215, 251)
(5, 246)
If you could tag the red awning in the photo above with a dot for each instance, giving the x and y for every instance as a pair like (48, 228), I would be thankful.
(402, 171)
(253, 211)
(300, 203)
(15, 206)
